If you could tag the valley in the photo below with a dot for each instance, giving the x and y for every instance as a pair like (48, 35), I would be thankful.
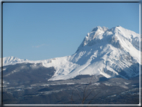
(95, 89)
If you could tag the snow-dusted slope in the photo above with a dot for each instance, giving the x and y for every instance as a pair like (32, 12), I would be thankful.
(12, 60)
(107, 52)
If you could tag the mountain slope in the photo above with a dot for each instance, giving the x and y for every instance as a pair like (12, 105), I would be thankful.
(108, 52)
(12, 60)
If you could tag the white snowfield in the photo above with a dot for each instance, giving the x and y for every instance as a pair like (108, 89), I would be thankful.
(104, 51)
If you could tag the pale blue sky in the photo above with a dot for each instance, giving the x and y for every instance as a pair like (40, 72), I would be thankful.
(37, 31)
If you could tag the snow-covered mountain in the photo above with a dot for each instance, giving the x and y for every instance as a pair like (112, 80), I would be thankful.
(12, 60)
(107, 52)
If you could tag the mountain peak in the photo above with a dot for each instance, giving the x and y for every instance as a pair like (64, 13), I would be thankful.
(102, 34)
(12, 60)
(107, 52)
(96, 33)
(99, 28)
(118, 26)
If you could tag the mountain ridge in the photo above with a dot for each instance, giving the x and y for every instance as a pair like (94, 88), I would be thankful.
(108, 52)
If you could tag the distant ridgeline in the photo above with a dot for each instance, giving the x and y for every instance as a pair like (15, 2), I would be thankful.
(107, 52)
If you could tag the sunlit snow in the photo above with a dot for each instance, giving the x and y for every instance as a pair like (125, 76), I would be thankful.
(103, 51)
